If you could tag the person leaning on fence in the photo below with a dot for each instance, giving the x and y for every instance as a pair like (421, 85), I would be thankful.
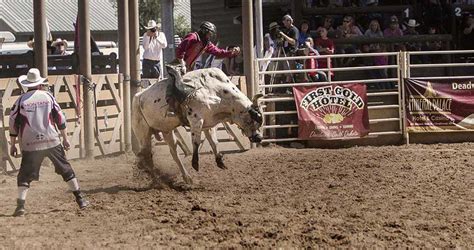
(154, 42)
(325, 46)
(34, 118)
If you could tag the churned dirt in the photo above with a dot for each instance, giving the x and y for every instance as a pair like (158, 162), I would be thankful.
(421, 195)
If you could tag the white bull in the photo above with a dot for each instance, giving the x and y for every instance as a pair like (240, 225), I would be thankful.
(215, 100)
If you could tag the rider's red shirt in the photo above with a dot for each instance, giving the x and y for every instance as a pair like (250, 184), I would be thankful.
(192, 47)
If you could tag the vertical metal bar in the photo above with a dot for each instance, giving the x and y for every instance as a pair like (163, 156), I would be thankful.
(86, 72)
(405, 64)
(400, 92)
(259, 27)
(134, 52)
(124, 68)
(41, 56)
(247, 32)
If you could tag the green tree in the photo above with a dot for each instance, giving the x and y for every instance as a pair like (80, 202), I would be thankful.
(151, 10)
(181, 26)
(148, 10)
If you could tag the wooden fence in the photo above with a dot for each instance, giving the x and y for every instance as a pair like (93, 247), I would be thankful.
(15, 65)
(109, 113)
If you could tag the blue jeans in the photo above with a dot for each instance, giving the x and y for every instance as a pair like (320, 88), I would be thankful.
(151, 68)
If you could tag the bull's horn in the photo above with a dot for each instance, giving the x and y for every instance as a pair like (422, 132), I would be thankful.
(255, 99)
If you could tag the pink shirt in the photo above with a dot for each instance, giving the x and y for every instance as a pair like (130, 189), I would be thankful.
(34, 118)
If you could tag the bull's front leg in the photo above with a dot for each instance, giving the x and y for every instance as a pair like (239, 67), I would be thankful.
(211, 136)
(196, 129)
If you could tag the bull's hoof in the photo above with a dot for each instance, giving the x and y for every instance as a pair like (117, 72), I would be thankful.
(188, 180)
(220, 162)
(195, 165)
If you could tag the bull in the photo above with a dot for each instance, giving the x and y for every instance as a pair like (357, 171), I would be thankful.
(213, 99)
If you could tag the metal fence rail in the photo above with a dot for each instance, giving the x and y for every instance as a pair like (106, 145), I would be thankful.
(385, 106)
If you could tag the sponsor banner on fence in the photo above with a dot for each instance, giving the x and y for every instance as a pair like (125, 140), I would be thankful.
(337, 111)
(440, 105)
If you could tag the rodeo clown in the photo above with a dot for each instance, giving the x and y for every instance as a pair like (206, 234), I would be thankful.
(34, 118)
(190, 49)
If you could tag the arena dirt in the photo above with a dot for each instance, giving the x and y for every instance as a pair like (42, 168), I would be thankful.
(421, 195)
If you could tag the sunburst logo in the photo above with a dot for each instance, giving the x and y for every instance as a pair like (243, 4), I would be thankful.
(332, 103)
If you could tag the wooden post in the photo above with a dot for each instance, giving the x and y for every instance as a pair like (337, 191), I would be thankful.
(124, 68)
(86, 79)
(167, 22)
(134, 52)
(39, 13)
(247, 30)
(297, 10)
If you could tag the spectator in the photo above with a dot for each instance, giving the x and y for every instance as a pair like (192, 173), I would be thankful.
(325, 46)
(328, 25)
(431, 46)
(177, 40)
(154, 42)
(348, 28)
(467, 37)
(290, 34)
(373, 31)
(304, 33)
(411, 31)
(34, 119)
(394, 31)
(60, 47)
(381, 60)
(312, 63)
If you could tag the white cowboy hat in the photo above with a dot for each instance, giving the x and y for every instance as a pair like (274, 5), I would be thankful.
(59, 41)
(31, 79)
(412, 23)
(152, 24)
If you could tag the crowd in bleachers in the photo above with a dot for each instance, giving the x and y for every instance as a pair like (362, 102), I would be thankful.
(325, 35)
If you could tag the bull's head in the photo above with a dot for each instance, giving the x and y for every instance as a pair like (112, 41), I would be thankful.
(250, 120)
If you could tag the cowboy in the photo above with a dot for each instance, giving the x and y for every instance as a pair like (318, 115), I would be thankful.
(35, 118)
(61, 46)
(154, 42)
(194, 45)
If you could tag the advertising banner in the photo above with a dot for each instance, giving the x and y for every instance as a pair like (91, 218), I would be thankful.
(440, 105)
(337, 111)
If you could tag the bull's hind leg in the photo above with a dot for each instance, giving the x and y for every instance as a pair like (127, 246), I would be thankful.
(143, 134)
(170, 138)
(211, 136)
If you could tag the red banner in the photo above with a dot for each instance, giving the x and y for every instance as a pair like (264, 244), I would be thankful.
(337, 111)
(440, 105)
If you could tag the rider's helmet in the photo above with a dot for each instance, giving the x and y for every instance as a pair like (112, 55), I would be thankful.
(207, 27)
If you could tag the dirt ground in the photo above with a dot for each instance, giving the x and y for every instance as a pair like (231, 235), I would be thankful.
(421, 195)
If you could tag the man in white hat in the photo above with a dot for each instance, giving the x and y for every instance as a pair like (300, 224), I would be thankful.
(411, 31)
(154, 42)
(36, 118)
(61, 46)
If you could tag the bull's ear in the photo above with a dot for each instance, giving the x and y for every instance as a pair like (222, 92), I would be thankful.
(255, 99)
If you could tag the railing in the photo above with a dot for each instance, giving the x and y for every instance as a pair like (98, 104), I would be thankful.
(385, 106)
(14, 65)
